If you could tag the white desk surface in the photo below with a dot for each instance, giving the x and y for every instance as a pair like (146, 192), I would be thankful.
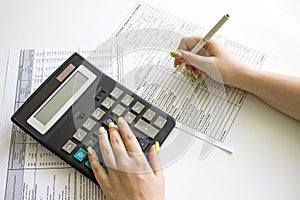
(266, 161)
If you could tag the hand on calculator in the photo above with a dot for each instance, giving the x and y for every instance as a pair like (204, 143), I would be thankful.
(129, 175)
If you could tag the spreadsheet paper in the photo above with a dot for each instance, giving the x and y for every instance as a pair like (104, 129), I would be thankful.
(137, 55)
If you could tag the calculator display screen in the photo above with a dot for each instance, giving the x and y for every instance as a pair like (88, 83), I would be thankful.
(60, 98)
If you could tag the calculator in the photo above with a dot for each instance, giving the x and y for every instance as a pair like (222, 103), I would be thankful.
(66, 111)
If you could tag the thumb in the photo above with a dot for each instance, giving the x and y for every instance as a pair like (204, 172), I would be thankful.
(198, 61)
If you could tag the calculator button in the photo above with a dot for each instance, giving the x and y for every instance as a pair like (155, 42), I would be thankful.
(143, 143)
(138, 107)
(79, 135)
(118, 110)
(100, 95)
(160, 122)
(88, 164)
(129, 117)
(146, 128)
(89, 141)
(127, 100)
(149, 114)
(80, 154)
(107, 103)
(89, 124)
(104, 167)
(98, 114)
(69, 146)
(108, 120)
(116, 93)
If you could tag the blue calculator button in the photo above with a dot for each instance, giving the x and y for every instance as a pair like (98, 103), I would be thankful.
(88, 164)
(80, 154)
(104, 167)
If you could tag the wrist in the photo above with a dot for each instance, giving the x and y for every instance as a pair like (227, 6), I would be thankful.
(241, 76)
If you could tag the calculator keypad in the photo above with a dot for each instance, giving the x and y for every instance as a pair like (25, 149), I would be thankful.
(79, 135)
(127, 100)
(98, 114)
(89, 124)
(119, 110)
(146, 128)
(129, 117)
(138, 107)
(160, 122)
(69, 146)
(145, 122)
(80, 154)
(90, 141)
(116, 93)
(149, 115)
(107, 103)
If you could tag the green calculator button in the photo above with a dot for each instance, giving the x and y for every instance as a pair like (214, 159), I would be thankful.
(80, 154)
(88, 164)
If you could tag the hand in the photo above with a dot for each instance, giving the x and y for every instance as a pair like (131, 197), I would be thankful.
(212, 60)
(130, 176)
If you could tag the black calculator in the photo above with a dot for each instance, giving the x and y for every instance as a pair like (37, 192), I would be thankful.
(66, 111)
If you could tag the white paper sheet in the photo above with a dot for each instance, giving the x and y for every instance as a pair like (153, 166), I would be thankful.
(34, 172)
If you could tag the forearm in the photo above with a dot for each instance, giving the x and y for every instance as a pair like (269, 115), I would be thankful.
(280, 91)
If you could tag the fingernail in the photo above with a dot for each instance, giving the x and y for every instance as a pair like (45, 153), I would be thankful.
(120, 120)
(189, 71)
(101, 130)
(175, 65)
(176, 54)
(202, 79)
(196, 76)
(111, 124)
(90, 151)
(157, 146)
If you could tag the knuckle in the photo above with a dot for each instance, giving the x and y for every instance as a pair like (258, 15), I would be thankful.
(116, 140)
(129, 136)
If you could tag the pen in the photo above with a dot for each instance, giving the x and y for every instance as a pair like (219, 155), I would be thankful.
(207, 37)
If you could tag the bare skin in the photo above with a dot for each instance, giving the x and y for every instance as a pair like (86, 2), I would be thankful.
(130, 176)
(280, 91)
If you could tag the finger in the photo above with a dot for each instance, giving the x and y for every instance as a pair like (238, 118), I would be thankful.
(210, 48)
(98, 170)
(130, 141)
(154, 159)
(187, 43)
(105, 147)
(189, 68)
(199, 62)
(117, 143)
(196, 73)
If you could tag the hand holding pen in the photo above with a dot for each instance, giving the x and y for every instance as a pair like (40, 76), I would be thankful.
(199, 54)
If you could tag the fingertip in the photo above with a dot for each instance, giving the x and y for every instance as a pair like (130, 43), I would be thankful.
(157, 146)
(176, 54)
(155, 160)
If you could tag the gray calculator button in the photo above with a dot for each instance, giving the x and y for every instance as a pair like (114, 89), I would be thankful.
(98, 114)
(127, 100)
(89, 124)
(149, 114)
(160, 122)
(129, 117)
(138, 107)
(69, 146)
(116, 93)
(79, 135)
(146, 128)
(107, 103)
(118, 110)
(90, 141)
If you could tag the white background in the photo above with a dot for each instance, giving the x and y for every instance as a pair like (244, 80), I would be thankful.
(266, 162)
